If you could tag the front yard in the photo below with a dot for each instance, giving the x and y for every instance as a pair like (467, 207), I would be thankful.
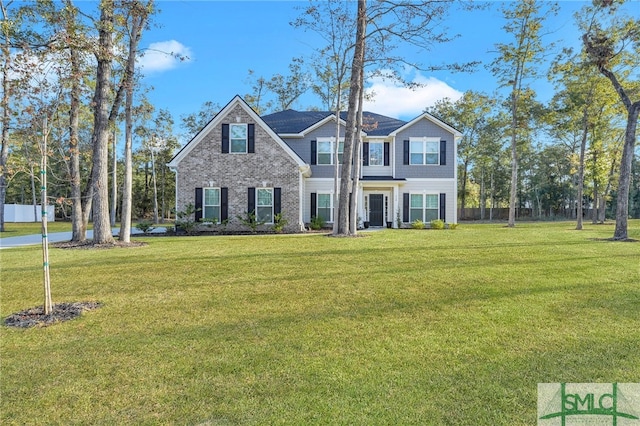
(398, 327)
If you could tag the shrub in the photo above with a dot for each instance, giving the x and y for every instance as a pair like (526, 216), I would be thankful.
(145, 226)
(251, 221)
(437, 224)
(186, 219)
(279, 222)
(417, 224)
(453, 225)
(317, 223)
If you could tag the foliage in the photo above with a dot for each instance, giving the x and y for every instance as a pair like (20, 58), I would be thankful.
(453, 225)
(145, 226)
(398, 219)
(250, 220)
(317, 223)
(185, 220)
(417, 224)
(260, 331)
(279, 222)
(436, 224)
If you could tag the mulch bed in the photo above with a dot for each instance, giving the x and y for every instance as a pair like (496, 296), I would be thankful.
(35, 317)
(89, 245)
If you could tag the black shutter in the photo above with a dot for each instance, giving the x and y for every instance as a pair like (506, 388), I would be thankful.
(405, 207)
(251, 138)
(443, 153)
(443, 207)
(405, 157)
(365, 153)
(386, 154)
(225, 138)
(224, 204)
(314, 152)
(251, 200)
(198, 204)
(277, 200)
(314, 204)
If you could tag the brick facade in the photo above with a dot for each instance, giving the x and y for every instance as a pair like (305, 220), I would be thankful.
(269, 167)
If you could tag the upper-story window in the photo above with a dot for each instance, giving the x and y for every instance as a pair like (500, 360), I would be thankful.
(376, 153)
(326, 151)
(238, 138)
(424, 150)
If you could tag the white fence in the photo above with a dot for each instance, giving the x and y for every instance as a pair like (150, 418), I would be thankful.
(25, 213)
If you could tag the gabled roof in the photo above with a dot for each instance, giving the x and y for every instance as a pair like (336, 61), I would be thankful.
(291, 122)
(431, 118)
(215, 121)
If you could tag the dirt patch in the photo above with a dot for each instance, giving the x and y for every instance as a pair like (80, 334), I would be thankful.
(89, 245)
(35, 317)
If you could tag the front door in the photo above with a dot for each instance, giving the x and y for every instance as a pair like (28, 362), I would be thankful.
(376, 210)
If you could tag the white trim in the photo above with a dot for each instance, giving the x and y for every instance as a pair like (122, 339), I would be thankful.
(236, 101)
(431, 118)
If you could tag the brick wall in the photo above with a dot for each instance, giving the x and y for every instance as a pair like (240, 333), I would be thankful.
(270, 166)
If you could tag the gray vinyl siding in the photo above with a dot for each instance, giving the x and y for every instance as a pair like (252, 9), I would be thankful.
(421, 129)
(302, 147)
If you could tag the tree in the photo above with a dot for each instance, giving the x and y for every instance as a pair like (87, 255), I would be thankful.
(136, 21)
(612, 43)
(468, 115)
(515, 64)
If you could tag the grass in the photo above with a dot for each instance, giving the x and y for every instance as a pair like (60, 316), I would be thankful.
(398, 327)
(27, 228)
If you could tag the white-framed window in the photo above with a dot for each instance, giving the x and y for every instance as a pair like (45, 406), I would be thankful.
(376, 153)
(211, 205)
(264, 205)
(423, 207)
(324, 207)
(424, 151)
(238, 138)
(326, 151)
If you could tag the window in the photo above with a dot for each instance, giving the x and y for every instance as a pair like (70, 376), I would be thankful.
(326, 151)
(238, 138)
(376, 153)
(325, 208)
(423, 207)
(211, 204)
(424, 151)
(264, 211)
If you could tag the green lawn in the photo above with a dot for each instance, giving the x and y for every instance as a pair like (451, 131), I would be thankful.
(17, 229)
(398, 327)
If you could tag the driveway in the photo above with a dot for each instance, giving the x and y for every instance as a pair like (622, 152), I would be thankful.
(56, 237)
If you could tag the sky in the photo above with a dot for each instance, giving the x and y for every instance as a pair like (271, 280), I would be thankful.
(222, 40)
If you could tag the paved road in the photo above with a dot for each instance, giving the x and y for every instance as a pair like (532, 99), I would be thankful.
(56, 237)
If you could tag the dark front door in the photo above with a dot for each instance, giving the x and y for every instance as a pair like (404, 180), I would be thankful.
(376, 210)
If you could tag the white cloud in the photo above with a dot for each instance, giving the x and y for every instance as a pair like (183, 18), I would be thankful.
(394, 100)
(163, 56)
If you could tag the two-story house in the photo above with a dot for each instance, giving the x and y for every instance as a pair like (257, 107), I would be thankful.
(284, 163)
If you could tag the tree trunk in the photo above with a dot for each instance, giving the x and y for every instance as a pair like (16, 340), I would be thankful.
(138, 23)
(78, 225)
(583, 148)
(353, 207)
(114, 181)
(624, 183)
(6, 117)
(354, 93)
(101, 223)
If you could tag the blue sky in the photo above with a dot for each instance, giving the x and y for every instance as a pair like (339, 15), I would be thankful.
(224, 39)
